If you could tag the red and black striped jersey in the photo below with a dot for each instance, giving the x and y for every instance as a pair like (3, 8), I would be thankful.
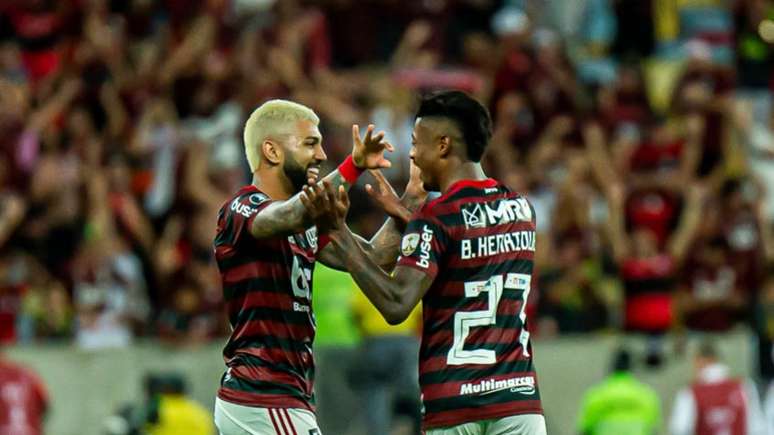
(267, 291)
(477, 243)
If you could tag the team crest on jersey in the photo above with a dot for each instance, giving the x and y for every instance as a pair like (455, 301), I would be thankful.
(257, 198)
(409, 244)
(311, 237)
(481, 215)
(473, 217)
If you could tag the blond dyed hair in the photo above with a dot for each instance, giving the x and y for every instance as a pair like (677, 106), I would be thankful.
(270, 120)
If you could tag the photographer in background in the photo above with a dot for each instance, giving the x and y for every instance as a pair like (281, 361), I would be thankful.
(165, 411)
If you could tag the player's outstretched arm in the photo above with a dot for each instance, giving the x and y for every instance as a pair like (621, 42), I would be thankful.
(382, 248)
(396, 295)
(393, 295)
(385, 243)
(282, 218)
(290, 216)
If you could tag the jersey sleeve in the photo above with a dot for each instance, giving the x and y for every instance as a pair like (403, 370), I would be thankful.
(424, 244)
(236, 217)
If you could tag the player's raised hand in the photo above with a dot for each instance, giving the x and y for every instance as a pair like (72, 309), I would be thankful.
(384, 196)
(320, 200)
(340, 209)
(368, 151)
(315, 200)
(415, 193)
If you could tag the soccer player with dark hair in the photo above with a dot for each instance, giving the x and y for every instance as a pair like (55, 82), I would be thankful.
(468, 255)
(266, 246)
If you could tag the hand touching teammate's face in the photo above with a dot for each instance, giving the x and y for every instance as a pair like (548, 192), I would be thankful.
(424, 154)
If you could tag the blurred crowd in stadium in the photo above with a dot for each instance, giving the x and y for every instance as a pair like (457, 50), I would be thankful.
(642, 131)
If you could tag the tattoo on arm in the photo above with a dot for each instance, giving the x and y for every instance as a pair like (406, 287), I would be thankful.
(384, 245)
(382, 249)
(290, 216)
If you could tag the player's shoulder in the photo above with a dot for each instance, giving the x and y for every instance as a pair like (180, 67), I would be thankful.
(468, 194)
(245, 202)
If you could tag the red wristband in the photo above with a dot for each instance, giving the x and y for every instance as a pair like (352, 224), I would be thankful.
(349, 171)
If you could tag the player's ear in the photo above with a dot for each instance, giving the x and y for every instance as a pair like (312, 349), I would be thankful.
(271, 151)
(444, 146)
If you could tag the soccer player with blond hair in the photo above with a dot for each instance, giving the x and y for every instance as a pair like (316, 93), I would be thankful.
(266, 247)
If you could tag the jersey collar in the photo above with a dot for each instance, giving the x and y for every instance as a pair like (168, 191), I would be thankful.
(461, 184)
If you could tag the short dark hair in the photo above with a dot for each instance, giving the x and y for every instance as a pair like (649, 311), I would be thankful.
(470, 116)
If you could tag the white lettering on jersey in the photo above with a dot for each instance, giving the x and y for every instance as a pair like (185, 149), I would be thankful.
(424, 247)
(496, 244)
(521, 384)
(243, 209)
(496, 213)
(301, 307)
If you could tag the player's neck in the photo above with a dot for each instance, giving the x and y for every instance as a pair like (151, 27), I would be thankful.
(277, 187)
(465, 171)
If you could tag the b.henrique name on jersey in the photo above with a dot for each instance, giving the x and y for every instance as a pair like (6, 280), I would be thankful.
(477, 244)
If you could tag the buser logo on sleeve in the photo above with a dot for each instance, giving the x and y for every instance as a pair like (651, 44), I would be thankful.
(243, 209)
(424, 247)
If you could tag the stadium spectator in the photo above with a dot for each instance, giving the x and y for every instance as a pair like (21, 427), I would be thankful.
(39, 27)
(716, 402)
(649, 266)
(621, 404)
(754, 56)
(165, 409)
(23, 400)
(109, 284)
(171, 411)
(724, 269)
(757, 142)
